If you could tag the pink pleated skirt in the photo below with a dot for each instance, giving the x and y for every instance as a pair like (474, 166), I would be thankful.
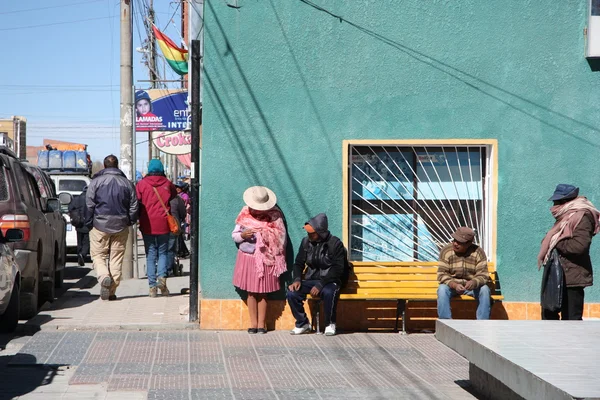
(245, 275)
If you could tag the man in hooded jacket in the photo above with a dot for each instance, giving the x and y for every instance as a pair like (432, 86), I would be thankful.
(323, 255)
(155, 193)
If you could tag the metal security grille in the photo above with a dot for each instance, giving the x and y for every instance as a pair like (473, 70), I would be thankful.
(407, 200)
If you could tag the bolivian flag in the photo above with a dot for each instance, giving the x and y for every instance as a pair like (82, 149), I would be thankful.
(175, 56)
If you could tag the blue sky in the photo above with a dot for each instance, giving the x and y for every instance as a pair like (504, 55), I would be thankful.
(63, 76)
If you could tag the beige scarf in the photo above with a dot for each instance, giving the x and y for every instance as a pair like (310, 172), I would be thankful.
(568, 216)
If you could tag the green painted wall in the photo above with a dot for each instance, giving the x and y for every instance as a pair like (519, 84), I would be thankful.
(285, 83)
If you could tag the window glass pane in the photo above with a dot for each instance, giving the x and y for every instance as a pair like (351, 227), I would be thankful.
(406, 201)
(71, 185)
(3, 186)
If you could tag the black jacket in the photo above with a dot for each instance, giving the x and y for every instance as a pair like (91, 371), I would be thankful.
(323, 259)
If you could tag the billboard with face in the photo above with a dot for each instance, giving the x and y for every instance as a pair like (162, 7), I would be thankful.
(161, 110)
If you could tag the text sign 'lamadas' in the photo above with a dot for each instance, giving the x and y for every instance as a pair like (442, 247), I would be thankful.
(173, 142)
(161, 110)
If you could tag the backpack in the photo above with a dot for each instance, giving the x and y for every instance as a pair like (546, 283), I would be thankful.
(331, 243)
(77, 215)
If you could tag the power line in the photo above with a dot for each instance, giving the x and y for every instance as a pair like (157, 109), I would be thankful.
(54, 23)
(46, 8)
(54, 86)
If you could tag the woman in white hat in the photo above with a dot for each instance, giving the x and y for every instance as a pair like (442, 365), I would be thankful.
(260, 236)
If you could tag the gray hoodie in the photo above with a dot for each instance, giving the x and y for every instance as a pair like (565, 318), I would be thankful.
(324, 259)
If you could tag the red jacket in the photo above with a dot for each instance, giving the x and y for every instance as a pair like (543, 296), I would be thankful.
(153, 218)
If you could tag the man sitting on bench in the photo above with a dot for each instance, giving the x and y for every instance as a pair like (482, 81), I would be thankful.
(323, 254)
(463, 270)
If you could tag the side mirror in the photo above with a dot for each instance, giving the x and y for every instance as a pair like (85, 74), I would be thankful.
(14, 235)
(65, 198)
(52, 205)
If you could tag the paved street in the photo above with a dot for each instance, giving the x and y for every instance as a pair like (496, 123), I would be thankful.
(232, 365)
(142, 348)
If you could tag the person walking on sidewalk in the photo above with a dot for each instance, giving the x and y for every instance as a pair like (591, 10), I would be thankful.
(178, 211)
(260, 236)
(77, 213)
(571, 235)
(112, 207)
(155, 192)
(323, 256)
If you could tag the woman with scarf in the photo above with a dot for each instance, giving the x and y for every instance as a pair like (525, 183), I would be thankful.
(577, 221)
(260, 236)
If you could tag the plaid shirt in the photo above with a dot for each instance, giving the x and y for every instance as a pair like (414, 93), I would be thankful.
(460, 269)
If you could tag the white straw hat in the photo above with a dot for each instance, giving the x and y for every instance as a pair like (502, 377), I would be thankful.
(260, 198)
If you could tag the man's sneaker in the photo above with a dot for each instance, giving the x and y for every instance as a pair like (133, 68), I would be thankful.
(162, 285)
(330, 330)
(306, 328)
(153, 292)
(105, 286)
(80, 260)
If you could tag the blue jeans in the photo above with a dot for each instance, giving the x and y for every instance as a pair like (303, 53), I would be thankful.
(156, 257)
(482, 295)
(330, 295)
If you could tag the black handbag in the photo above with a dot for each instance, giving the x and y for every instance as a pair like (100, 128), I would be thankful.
(553, 283)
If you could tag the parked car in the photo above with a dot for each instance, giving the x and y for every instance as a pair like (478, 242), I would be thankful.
(23, 207)
(10, 282)
(56, 223)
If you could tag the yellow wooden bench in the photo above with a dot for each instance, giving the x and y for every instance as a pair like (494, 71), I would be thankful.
(400, 281)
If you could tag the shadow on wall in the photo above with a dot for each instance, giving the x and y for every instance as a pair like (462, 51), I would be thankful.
(506, 97)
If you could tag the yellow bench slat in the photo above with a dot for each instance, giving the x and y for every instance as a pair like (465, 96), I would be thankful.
(395, 270)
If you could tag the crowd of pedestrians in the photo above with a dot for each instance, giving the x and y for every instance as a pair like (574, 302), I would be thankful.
(111, 204)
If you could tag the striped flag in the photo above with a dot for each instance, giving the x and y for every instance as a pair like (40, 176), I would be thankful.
(175, 56)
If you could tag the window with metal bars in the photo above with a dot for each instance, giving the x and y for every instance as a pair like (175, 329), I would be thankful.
(405, 201)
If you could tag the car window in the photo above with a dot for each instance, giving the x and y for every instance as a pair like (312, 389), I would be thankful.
(3, 185)
(71, 185)
(24, 189)
(41, 183)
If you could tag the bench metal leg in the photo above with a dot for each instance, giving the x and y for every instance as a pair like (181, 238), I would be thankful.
(317, 314)
(400, 307)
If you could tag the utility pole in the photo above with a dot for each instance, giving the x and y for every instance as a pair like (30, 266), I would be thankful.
(152, 150)
(126, 158)
(195, 186)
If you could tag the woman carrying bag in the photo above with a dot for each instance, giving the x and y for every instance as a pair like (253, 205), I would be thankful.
(154, 192)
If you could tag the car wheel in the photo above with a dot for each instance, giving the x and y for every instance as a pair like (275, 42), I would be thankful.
(47, 286)
(10, 319)
(59, 275)
(29, 302)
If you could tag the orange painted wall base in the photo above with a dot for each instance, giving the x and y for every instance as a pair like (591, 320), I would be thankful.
(364, 315)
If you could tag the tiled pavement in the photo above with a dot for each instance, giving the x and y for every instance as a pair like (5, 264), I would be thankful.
(234, 365)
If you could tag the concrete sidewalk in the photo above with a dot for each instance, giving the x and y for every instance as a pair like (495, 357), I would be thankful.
(80, 307)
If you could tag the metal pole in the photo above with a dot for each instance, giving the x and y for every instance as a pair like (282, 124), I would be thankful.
(125, 161)
(194, 189)
(136, 272)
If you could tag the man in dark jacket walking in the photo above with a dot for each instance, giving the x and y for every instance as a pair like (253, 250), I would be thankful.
(324, 256)
(577, 221)
(112, 208)
(77, 213)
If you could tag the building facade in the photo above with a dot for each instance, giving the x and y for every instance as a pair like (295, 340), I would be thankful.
(401, 121)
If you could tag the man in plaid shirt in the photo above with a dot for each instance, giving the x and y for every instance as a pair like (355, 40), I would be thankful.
(463, 270)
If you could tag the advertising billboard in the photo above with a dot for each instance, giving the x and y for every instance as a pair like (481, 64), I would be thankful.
(161, 110)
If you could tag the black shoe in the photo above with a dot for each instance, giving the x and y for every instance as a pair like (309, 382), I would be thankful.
(261, 331)
(252, 331)
(80, 260)
(112, 297)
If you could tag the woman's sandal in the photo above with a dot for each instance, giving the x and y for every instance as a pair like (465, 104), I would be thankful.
(252, 330)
